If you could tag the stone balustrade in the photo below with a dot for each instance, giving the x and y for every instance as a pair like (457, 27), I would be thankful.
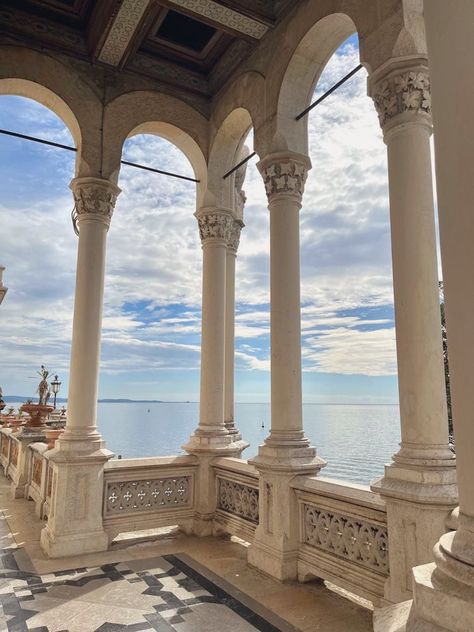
(343, 536)
(149, 493)
(237, 511)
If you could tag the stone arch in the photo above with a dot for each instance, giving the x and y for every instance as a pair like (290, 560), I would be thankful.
(35, 75)
(161, 115)
(225, 153)
(302, 73)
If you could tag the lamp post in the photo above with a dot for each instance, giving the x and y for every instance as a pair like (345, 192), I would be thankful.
(55, 386)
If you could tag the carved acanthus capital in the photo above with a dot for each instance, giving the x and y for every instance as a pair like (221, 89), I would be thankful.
(402, 92)
(214, 224)
(284, 173)
(94, 199)
(234, 235)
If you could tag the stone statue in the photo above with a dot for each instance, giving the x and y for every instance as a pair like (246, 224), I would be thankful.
(43, 387)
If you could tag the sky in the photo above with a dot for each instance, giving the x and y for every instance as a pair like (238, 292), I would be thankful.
(151, 327)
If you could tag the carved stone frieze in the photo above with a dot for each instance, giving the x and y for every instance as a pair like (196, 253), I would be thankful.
(400, 93)
(238, 499)
(94, 199)
(214, 224)
(225, 16)
(347, 537)
(147, 495)
(122, 31)
(286, 176)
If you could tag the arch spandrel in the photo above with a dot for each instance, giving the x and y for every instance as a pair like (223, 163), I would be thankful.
(38, 76)
(225, 152)
(145, 112)
(293, 56)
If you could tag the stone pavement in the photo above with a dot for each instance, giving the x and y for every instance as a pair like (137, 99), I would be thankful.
(173, 583)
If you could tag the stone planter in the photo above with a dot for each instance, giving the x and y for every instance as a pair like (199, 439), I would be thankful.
(38, 413)
(51, 435)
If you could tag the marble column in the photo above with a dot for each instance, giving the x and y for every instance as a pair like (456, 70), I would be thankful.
(75, 520)
(419, 486)
(286, 451)
(211, 438)
(3, 289)
(444, 591)
(229, 379)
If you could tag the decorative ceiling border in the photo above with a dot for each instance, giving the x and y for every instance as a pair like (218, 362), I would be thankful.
(225, 16)
(122, 31)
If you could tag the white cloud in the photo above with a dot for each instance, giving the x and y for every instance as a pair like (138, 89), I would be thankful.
(154, 260)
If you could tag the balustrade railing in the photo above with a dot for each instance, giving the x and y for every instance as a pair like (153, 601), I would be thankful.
(343, 535)
(148, 493)
(38, 475)
(237, 498)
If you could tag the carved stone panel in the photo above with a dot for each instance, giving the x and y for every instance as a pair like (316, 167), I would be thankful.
(14, 453)
(37, 469)
(147, 495)
(238, 499)
(351, 538)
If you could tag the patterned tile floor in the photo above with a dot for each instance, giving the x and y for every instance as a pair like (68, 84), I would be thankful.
(163, 593)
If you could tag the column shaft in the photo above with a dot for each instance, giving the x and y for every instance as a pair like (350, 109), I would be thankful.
(87, 324)
(211, 436)
(230, 339)
(286, 393)
(423, 411)
(211, 417)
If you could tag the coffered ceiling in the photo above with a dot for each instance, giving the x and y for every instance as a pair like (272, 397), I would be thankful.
(194, 44)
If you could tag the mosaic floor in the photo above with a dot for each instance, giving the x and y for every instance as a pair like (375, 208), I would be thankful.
(165, 593)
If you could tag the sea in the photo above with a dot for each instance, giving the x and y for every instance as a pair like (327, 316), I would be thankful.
(355, 440)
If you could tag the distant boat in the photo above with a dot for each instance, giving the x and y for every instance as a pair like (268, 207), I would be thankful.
(148, 411)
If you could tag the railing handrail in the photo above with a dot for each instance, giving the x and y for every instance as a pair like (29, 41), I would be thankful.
(159, 462)
(353, 493)
(235, 465)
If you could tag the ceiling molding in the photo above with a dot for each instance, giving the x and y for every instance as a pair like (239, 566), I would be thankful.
(223, 16)
(122, 31)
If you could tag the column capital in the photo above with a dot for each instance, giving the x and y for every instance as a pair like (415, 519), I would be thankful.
(284, 174)
(234, 236)
(402, 93)
(215, 224)
(94, 199)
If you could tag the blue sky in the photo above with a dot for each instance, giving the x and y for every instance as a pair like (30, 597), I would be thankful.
(151, 332)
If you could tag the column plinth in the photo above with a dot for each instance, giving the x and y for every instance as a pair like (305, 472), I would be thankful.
(419, 486)
(78, 458)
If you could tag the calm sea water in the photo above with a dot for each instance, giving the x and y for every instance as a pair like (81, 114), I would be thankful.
(356, 440)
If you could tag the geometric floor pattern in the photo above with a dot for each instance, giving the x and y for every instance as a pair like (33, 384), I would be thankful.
(165, 594)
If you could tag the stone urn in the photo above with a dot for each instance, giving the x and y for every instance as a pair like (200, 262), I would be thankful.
(38, 413)
(51, 435)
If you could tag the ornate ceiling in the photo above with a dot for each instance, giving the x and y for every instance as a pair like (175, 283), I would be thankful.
(193, 44)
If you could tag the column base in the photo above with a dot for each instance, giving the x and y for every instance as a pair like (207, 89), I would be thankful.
(419, 500)
(288, 453)
(223, 444)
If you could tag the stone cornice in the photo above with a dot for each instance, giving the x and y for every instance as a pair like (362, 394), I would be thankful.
(403, 91)
(284, 174)
(214, 224)
(94, 199)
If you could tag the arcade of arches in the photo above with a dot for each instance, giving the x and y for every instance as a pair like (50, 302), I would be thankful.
(412, 535)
